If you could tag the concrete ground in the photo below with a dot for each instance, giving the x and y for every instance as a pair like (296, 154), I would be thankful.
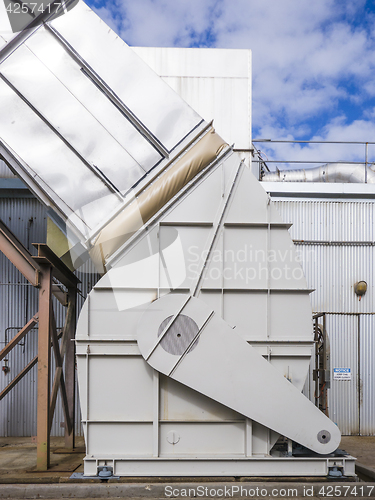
(19, 479)
(360, 447)
(18, 458)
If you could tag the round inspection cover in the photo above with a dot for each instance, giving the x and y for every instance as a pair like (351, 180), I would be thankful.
(173, 437)
(179, 336)
(324, 437)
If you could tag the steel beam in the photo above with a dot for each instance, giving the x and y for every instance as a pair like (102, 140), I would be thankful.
(21, 374)
(44, 359)
(70, 327)
(18, 337)
(60, 295)
(59, 381)
(19, 377)
(39, 272)
(60, 270)
(13, 249)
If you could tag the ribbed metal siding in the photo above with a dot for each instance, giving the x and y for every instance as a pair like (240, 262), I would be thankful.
(19, 302)
(332, 269)
(343, 396)
(26, 218)
(332, 272)
(329, 220)
(367, 370)
(5, 172)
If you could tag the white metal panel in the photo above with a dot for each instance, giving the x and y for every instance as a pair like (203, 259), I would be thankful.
(136, 386)
(148, 97)
(224, 367)
(62, 110)
(216, 204)
(179, 402)
(52, 54)
(215, 82)
(194, 440)
(193, 240)
(226, 100)
(290, 317)
(130, 438)
(197, 62)
(68, 172)
(252, 320)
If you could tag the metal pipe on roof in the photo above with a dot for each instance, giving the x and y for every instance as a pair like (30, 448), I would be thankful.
(330, 172)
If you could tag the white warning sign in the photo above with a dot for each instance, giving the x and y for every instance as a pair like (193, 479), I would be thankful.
(342, 374)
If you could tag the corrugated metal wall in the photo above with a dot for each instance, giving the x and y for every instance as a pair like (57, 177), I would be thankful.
(336, 247)
(26, 218)
(331, 268)
(5, 172)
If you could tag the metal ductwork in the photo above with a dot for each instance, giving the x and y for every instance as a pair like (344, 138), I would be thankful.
(194, 346)
(330, 172)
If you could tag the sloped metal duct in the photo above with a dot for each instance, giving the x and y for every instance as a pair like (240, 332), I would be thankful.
(154, 197)
(73, 125)
(330, 172)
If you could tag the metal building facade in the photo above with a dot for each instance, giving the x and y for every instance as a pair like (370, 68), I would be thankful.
(335, 236)
(27, 219)
(335, 240)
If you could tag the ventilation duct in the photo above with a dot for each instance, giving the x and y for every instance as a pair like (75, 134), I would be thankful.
(194, 346)
(330, 172)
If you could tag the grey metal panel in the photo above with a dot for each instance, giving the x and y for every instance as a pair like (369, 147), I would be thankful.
(329, 220)
(343, 396)
(5, 172)
(332, 268)
(19, 302)
(332, 272)
(367, 371)
(344, 252)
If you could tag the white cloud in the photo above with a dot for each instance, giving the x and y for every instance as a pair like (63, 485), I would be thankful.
(163, 22)
(303, 54)
(310, 59)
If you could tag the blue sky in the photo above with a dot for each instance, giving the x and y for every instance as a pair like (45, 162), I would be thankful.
(313, 62)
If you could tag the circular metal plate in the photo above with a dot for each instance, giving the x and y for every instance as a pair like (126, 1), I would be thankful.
(324, 437)
(180, 335)
(173, 437)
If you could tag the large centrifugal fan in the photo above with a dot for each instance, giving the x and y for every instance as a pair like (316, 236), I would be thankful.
(194, 346)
